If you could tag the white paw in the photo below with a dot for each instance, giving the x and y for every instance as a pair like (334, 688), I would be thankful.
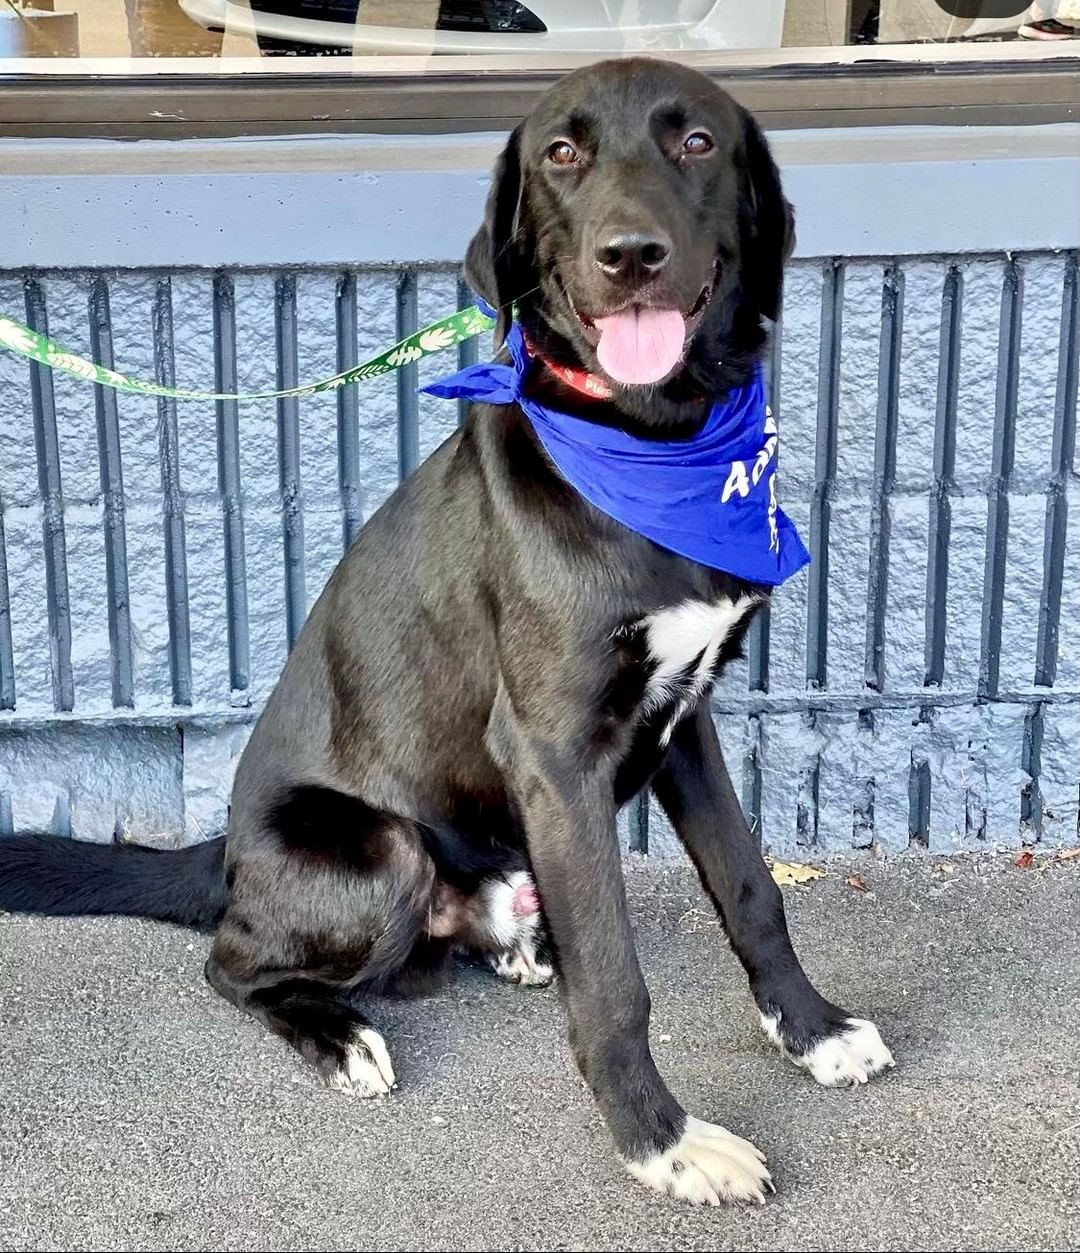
(522, 965)
(367, 1069)
(707, 1166)
(852, 1056)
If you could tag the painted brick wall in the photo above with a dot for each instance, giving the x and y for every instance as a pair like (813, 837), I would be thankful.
(919, 686)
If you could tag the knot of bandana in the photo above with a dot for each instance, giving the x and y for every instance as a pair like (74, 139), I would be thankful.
(711, 498)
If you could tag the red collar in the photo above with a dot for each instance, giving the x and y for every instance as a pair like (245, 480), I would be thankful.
(582, 381)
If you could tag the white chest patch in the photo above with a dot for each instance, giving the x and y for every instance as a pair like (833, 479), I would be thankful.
(685, 636)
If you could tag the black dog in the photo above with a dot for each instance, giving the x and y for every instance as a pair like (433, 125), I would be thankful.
(496, 666)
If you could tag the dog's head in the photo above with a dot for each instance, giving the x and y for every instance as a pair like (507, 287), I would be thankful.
(637, 221)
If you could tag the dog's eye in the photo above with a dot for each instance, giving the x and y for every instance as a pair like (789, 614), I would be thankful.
(562, 153)
(697, 144)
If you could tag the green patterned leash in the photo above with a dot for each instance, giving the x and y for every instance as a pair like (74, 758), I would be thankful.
(434, 338)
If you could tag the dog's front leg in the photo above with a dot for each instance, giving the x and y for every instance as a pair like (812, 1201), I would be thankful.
(569, 815)
(696, 793)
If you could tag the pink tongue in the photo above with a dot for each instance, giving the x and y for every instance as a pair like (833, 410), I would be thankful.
(640, 345)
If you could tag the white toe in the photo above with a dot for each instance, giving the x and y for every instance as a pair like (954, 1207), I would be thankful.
(707, 1166)
(522, 966)
(852, 1056)
(367, 1070)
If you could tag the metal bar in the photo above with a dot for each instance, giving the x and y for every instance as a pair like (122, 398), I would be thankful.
(288, 420)
(468, 349)
(919, 800)
(940, 530)
(407, 380)
(1057, 508)
(808, 801)
(966, 84)
(757, 638)
(997, 528)
(52, 509)
(892, 333)
(348, 411)
(1061, 471)
(208, 717)
(860, 702)
(7, 654)
(176, 580)
(638, 820)
(111, 469)
(862, 815)
(817, 607)
(848, 115)
(1031, 804)
(753, 783)
(229, 485)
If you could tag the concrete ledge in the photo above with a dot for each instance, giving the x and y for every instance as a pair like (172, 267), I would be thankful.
(381, 200)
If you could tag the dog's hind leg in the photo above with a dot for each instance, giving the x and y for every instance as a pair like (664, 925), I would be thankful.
(503, 921)
(327, 897)
(316, 1019)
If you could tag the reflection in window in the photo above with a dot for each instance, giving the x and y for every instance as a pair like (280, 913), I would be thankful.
(229, 28)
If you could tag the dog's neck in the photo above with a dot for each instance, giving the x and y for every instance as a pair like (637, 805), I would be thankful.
(591, 386)
(722, 356)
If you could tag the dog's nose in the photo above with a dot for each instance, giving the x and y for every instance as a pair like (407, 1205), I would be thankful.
(633, 255)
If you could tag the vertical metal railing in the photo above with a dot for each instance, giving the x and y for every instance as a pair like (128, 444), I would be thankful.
(111, 463)
(407, 379)
(43, 405)
(348, 411)
(172, 498)
(230, 487)
(288, 424)
(813, 782)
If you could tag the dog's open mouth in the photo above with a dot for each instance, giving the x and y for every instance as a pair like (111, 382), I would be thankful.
(639, 345)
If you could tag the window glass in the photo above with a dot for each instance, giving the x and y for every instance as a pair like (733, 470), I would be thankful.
(304, 28)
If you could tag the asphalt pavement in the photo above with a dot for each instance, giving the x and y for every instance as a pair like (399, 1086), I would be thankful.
(139, 1111)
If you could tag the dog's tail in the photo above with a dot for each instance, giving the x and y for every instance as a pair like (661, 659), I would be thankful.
(47, 874)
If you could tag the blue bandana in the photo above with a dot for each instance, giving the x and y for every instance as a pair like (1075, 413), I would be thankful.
(711, 498)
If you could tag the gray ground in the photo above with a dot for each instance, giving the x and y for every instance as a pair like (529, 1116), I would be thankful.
(138, 1111)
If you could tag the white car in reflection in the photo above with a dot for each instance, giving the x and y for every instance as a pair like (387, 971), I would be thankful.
(417, 27)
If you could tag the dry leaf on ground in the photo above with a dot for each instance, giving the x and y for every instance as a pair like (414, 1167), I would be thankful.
(1066, 854)
(857, 882)
(787, 873)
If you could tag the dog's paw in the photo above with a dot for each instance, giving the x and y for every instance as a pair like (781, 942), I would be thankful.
(851, 1055)
(522, 965)
(707, 1166)
(365, 1068)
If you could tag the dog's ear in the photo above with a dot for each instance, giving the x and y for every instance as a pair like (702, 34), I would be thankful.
(493, 261)
(768, 224)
